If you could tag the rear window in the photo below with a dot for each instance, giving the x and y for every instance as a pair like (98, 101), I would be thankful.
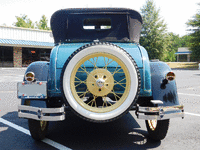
(97, 24)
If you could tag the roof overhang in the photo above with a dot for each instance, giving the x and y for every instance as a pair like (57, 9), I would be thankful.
(183, 53)
(24, 43)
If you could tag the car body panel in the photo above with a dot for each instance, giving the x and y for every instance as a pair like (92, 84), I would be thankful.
(62, 52)
(166, 93)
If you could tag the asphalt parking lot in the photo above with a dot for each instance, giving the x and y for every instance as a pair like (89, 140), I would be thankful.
(125, 133)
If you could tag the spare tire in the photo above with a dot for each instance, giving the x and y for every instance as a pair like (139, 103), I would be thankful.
(100, 82)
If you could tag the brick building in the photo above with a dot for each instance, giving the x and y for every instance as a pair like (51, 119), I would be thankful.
(21, 46)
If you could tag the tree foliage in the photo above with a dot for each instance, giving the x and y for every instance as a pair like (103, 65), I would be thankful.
(195, 36)
(172, 43)
(43, 23)
(153, 31)
(23, 21)
(185, 41)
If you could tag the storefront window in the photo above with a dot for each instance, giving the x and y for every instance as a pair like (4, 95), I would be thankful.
(6, 56)
(45, 55)
(30, 55)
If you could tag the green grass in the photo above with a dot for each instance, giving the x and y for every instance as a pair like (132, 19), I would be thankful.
(193, 65)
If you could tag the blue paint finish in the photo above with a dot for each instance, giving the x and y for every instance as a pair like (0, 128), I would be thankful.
(65, 50)
(58, 74)
(169, 94)
(52, 71)
(40, 69)
(146, 75)
(144, 92)
(134, 51)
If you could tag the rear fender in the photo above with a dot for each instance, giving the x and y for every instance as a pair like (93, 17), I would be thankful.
(40, 69)
(167, 93)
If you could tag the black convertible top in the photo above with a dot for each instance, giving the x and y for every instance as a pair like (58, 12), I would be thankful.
(89, 24)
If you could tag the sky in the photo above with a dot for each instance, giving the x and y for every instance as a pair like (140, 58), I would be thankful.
(174, 12)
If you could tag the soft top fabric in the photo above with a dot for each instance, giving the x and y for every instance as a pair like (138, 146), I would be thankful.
(67, 25)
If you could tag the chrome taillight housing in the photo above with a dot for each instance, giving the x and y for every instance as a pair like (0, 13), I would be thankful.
(170, 76)
(30, 76)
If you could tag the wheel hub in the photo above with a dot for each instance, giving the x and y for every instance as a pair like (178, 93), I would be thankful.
(100, 82)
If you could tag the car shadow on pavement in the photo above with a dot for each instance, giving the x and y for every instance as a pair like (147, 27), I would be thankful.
(124, 133)
(76, 133)
(12, 138)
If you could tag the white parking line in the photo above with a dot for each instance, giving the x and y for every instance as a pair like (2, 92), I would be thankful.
(46, 140)
(192, 114)
(188, 94)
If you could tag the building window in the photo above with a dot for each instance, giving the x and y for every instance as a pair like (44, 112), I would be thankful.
(182, 58)
(6, 56)
(30, 55)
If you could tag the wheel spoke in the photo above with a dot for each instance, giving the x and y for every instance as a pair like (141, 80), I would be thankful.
(83, 93)
(117, 83)
(115, 94)
(95, 66)
(116, 71)
(92, 101)
(108, 63)
(122, 80)
(80, 83)
(78, 79)
(95, 62)
(84, 69)
(105, 101)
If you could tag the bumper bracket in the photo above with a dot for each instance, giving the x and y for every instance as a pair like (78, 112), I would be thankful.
(160, 112)
(45, 114)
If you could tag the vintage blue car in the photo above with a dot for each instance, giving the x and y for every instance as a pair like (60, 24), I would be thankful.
(99, 71)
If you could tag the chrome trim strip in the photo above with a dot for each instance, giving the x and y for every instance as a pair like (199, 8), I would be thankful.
(159, 113)
(166, 116)
(38, 113)
(157, 109)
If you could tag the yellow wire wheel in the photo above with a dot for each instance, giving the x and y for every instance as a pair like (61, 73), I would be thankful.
(152, 124)
(100, 82)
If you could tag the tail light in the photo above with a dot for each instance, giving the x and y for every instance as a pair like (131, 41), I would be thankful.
(30, 76)
(170, 76)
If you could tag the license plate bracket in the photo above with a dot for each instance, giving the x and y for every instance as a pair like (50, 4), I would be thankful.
(32, 90)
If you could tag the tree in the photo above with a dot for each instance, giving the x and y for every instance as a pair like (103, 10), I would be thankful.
(153, 31)
(43, 23)
(185, 41)
(23, 21)
(172, 43)
(195, 36)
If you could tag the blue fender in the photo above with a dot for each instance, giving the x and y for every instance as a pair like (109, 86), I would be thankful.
(40, 69)
(167, 93)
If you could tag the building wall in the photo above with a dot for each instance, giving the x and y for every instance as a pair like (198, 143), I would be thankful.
(17, 56)
(16, 53)
(17, 33)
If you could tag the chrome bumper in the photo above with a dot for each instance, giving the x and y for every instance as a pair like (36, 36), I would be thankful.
(160, 112)
(37, 113)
